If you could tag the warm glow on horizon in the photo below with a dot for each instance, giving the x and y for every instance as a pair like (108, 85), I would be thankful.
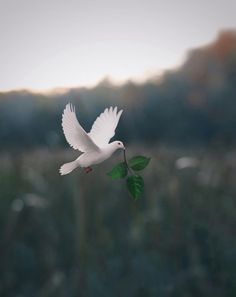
(87, 65)
(55, 44)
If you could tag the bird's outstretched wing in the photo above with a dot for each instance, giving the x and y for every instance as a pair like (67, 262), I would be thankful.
(74, 133)
(104, 127)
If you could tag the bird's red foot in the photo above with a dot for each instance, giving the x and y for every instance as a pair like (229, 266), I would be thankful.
(88, 169)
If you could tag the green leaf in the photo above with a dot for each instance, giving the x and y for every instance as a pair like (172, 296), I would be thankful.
(135, 185)
(119, 171)
(139, 162)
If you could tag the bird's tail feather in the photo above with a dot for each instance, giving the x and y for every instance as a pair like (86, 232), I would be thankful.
(68, 167)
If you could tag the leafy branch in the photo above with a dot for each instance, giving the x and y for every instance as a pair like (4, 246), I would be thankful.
(127, 169)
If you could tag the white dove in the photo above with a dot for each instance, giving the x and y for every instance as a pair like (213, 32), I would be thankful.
(94, 145)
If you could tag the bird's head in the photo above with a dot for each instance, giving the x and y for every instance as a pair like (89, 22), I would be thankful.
(118, 145)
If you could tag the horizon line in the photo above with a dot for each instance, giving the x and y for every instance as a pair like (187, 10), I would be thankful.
(109, 80)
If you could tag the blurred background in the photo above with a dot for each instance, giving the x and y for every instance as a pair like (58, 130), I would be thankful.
(172, 68)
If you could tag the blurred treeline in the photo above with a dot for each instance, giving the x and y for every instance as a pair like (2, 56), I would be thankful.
(83, 235)
(193, 105)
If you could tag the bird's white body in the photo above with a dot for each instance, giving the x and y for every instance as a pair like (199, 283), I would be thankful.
(94, 145)
(93, 158)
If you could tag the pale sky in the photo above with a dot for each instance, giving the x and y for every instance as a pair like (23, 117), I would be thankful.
(63, 43)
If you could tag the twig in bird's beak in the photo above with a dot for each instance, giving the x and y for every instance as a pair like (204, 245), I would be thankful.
(126, 163)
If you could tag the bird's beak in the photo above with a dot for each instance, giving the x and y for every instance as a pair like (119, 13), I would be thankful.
(124, 148)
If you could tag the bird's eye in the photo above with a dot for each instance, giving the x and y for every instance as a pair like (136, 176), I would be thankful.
(119, 143)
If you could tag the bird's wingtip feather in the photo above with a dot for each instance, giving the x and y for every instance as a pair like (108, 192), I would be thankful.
(119, 114)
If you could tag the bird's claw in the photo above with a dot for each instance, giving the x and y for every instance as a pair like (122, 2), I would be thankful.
(87, 169)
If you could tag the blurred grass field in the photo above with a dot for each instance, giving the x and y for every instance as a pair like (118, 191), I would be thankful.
(83, 235)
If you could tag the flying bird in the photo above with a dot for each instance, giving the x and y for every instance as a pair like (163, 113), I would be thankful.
(94, 146)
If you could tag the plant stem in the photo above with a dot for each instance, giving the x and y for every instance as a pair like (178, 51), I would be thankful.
(127, 165)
